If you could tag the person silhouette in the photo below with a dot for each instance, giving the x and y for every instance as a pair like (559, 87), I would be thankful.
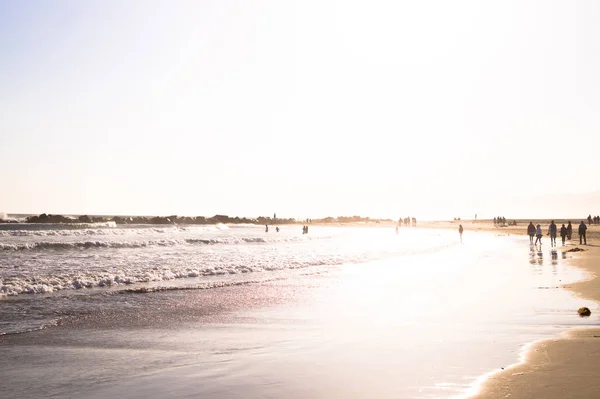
(538, 234)
(552, 233)
(563, 233)
(531, 232)
(582, 229)
(460, 231)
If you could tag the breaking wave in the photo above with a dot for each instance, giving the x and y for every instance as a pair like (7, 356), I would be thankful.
(62, 245)
(84, 230)
(101, 279)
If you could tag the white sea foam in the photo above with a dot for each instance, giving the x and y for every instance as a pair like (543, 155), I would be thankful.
(371, 303)
(102, 229)
(66, 245)
(138, 274)
(61, 262)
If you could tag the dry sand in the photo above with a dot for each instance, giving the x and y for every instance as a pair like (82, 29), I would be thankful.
(565, 367)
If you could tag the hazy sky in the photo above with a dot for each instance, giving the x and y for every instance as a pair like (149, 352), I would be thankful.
(306, 108)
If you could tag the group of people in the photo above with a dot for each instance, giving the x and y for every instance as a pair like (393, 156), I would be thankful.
(304, 229)
(593, 219)
(407, 222)
(500, 221)
(565, 233)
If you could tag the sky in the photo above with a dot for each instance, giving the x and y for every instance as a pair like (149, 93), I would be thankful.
(432, 109)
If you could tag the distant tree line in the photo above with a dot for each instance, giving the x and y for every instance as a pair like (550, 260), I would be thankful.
(174, 219)
(349, 219)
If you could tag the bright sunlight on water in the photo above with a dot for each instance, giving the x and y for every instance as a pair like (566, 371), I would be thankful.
(342, 313)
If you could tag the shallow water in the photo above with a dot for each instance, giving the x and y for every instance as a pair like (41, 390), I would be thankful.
(343, 313)
(63, 267)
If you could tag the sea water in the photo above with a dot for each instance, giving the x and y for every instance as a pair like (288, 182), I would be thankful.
(234, 311)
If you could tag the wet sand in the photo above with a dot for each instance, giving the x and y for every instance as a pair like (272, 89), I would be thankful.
(561, 368)
(112, 337)
(565, 367)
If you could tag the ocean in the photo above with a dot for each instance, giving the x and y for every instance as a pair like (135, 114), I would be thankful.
(225, 311)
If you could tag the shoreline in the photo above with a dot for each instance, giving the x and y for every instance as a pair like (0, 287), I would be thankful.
(562, 366)
(541, 364)
(103, 339)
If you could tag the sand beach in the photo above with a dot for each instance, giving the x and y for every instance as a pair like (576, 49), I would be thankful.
(162, 164)
(356, 312)
(562, 367)
(565, 366)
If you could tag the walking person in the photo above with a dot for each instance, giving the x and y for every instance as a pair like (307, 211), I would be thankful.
(531, 232)
(563, 233)
(460, 231)
(538, 234)
(569, 230)
(582, 229)
(552, 233)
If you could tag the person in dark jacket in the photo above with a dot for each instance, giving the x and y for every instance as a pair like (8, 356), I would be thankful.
(538, 234)
(582, 229)
(563, 233)
(531, 232)
(569, 230)
(552, 233)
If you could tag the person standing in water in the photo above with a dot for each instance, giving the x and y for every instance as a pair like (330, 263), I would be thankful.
(538, 234)
(569, 230)
(531, 232)
(460, 231)
(266, 228)
(552, 233)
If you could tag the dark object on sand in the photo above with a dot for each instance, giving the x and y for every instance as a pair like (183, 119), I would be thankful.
(576, 249)
(584, 312)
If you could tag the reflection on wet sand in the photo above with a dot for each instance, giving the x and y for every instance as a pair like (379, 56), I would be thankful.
(540, 254)
(536, 255)
(554, 256)
(532, 255)
(536, 260)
